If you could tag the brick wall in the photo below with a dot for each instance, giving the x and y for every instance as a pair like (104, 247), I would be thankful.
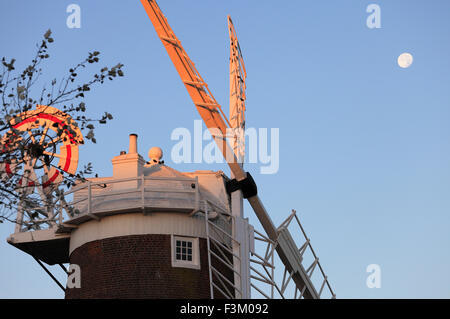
(137, 266)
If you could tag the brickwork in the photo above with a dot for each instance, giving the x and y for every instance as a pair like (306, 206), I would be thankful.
(137, 266)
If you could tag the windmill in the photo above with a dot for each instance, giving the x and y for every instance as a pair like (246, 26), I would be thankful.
(278, 239)
(150, 231)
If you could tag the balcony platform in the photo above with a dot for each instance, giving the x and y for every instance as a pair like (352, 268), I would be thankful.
(46, 245)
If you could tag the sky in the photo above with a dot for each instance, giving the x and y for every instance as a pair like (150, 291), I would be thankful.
(364, 145)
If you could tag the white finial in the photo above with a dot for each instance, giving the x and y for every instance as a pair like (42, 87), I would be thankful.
(155, 154)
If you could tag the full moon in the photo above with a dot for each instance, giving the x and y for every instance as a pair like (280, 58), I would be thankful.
(405, 60)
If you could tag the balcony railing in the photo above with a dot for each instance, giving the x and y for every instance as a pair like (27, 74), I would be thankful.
(94, 199)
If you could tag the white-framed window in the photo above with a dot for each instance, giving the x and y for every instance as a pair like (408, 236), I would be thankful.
(185, 252)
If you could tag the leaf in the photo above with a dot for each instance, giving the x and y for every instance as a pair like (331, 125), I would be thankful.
(90, 135)
(82, 107)
(20, 89)
(48, 34)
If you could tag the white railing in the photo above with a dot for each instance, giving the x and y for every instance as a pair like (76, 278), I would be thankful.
(92, 198)
(140, 191)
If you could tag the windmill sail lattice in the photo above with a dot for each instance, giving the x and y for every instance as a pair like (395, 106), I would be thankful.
(45, 141)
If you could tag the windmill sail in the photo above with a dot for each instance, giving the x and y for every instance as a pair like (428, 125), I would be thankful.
(237, 94)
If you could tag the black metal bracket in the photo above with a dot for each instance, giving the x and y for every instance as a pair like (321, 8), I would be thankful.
(247, 186)
(50, 274)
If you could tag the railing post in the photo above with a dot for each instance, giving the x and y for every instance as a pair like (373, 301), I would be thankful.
(89, 197)
(143, 192)
(19, 219)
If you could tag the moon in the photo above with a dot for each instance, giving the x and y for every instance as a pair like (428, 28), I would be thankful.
(405, 60)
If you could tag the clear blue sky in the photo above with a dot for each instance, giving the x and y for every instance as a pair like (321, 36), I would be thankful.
(364, 144)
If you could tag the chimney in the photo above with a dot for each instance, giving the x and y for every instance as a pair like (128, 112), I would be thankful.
(133, 144)
(128, 165)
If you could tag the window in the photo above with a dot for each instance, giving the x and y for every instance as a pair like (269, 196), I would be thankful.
(185, 252)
